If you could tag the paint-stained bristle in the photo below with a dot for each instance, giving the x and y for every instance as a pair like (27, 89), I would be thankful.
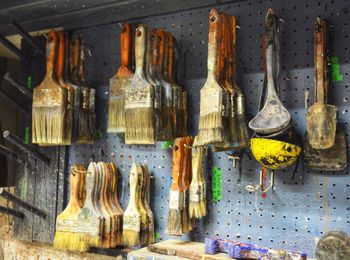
(174, 225)
(84, 132)
(131, 238)
(243, 135)
(116, 116)
(48, 124)
(211, 121)
(140, 122)
(167, 123)
(209, 136)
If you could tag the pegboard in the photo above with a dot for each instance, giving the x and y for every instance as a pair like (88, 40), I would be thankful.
(300, 209)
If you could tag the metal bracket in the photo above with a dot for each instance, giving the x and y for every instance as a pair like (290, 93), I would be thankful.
(18, 86)
(29, 149)
(12, 212)
(13, 48)
(10, 154)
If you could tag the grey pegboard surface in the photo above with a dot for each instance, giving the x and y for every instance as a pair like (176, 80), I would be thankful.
(300, 209)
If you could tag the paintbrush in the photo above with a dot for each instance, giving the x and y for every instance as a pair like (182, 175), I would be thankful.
(174, 224)
(202, 182)
(118, 83)
(140, 205)
(186, 181)
(150, 215)
(132, 218)
(49, 103)
(88, 222)
(195, 187)
(139, 103)
(167, 112)
(242, 128)
(87, 118)
(60, 64)
(117, 210)
(65, 237)
(108, 219)
(115, 203)
(82, 186)
(211, 125)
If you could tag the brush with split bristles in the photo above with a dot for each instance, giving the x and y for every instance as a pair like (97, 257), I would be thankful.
(150, 215)
(132, 218)
(174, 224)
(140, 205)
(49, 103)
(139, 101)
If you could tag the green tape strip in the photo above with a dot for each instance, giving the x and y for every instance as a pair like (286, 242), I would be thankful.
(335, 68)
(166, 145)
(157, 236)
(99, 134)
(216, 184)
(29, 82)
(26, 135)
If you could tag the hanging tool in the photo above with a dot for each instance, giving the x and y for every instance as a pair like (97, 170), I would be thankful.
(321, 118)
(273, 116)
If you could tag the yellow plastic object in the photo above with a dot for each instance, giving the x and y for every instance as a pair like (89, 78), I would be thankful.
(274, 154)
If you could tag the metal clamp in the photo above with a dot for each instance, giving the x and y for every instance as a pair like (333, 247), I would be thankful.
(18, 86)
(12, 212)
(30, 150)
(9, 196)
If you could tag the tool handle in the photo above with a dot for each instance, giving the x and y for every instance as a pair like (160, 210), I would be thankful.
(221, 57)
(320, 54)
(60, 57)
(74, 59)
(90, 186)
(125, 44)
(81, 70)
(50, 53)
(161, 57)
(213, 43)
(165, 70)
(67, 55)
(140, 43)
(74, 183)
(171, 59)
(133, 186)
(177, 165)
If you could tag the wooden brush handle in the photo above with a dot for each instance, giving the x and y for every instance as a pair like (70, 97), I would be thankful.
(221, 59)
(320, 61)
(96, 197)
(189, 164)
(171, 51)
(185, 165)
(74, 60)
(50, 53)
(66, 73)
(90, 186)
(165, 70)
(161, 56)
(81, 70)
(133, 187)
(60, 58)
(140, 43)
(233, 44)
(125, 44)
(155, 46)
(213, 42)
(177, 164)
(115, 190)
(74, 183)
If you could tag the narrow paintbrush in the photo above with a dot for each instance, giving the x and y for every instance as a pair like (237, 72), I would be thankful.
(150, 215)
(132, 218)
(82, 186)
(202, 182)
(174, 225)
(65, 237)
(186, 181)
(140, 205)
(96, 202)
(108, 220)
(118, 83)
(49, 103)
(87, 118)
(139, 103)
(211, 125)
(118, 211)
(60, 63)
(195, 187)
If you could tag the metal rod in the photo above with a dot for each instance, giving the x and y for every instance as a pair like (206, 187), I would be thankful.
(18, 86)
(14, 103)
(30, 39)
(15, 140)
(9, 196)
(12, 212)
(13, 48)
(10, 154)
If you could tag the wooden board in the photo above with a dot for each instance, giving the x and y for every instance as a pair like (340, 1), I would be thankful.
(178, 250)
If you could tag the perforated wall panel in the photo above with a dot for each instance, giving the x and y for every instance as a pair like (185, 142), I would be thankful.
(299, 210)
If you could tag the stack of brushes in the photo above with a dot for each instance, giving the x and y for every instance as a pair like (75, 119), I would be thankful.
(63, 104)
(138, 224)
(222, 119)
(187, 200)
(147, 105)
(93, 217)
